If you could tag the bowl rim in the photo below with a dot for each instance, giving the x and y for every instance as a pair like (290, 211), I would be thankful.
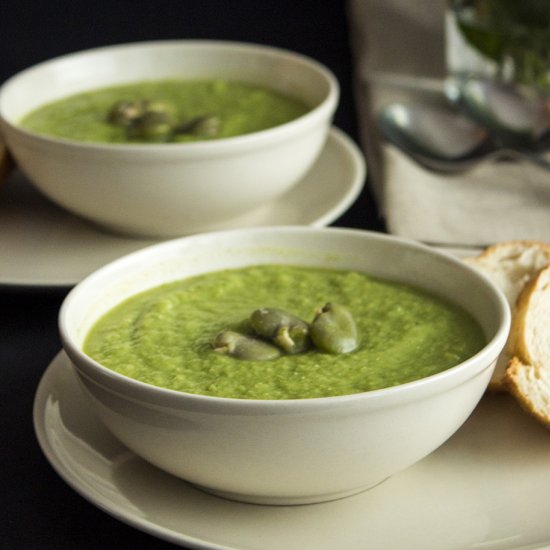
(325, 108)
(159, 396)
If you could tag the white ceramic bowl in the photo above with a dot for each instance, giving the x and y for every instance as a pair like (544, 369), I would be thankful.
(287, 451)
(176, 188)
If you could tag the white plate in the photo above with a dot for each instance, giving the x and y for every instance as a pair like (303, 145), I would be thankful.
(486, 488)
(43, 245)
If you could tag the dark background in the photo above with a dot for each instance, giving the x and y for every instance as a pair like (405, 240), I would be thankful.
(37, 509)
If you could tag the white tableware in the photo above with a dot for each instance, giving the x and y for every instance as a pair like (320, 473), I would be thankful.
(42, 245)
(486, 487)
(288, 451)
(162, 190)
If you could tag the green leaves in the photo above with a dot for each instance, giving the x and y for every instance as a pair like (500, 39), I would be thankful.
(514, 34)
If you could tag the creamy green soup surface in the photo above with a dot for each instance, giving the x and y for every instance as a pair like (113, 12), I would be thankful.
(164, 336)
(239, 107)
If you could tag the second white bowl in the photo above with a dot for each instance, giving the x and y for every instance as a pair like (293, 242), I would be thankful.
(176, 188)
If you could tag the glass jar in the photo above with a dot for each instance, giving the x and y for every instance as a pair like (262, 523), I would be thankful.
(506, 39)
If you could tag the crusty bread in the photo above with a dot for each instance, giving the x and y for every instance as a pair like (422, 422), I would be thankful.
(530, 332)
(528, 374)
(530, 385)
(511, 266)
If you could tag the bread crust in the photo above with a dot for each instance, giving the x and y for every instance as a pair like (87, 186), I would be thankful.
(506, 249)
(530, 330)
(530, 386)
(527, 377)
(513, 266)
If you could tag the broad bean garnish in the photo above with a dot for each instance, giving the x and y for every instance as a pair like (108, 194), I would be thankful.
(124, 113)
(245, 347)
(333, 329)
(284, 329)
(202, 126)
(154, 120)
(152, 126)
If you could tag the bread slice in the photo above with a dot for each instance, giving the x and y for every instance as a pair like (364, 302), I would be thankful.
(530, 332)
(511, 265)
(530, 385)
(528, 374)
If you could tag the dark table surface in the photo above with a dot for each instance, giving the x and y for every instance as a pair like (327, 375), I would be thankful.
(38, 509)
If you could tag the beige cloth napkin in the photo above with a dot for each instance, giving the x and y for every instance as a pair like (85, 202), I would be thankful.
(400, 55)
(493, 202)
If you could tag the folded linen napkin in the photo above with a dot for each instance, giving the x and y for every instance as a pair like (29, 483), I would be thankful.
(495, 201)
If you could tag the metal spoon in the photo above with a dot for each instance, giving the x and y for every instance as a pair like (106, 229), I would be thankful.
(435, 137)
(513, 118)
(442, 140)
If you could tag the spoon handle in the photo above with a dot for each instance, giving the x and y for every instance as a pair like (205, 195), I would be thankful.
(7, 163)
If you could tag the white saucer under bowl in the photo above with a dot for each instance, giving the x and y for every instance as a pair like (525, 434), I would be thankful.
(486, 487)
(43, 245)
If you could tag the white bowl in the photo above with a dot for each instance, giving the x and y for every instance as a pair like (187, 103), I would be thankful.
(287, 451)
(176, 188)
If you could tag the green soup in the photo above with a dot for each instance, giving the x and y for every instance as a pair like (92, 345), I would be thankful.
(239, 108)
(164, 336)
